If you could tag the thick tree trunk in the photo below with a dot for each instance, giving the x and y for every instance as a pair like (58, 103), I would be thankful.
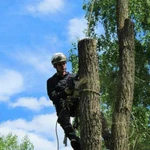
(90, 125)
(123, 105)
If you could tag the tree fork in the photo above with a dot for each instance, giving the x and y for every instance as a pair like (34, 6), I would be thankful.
(89, 111)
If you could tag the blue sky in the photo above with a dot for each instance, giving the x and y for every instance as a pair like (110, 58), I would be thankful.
(30, 32)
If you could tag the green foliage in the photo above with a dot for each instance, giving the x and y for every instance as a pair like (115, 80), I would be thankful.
(140, 129)
(26, 144)
(73, 58)
(104, 12)
(10, 142)
(139, 12)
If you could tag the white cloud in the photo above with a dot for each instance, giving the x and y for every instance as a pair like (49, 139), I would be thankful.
(38, 59)
(76, 28)
(41, 143)
(41, 131)
(11, 82)
(32, 103)
(35, 65)
(46, 7)
(41, 124)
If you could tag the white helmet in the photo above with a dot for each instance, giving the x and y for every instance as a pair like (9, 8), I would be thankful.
(58, 57)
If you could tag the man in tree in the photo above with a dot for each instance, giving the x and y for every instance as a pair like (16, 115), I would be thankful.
(58, 91)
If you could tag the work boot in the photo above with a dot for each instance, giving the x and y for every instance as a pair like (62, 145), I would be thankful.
(75, 143)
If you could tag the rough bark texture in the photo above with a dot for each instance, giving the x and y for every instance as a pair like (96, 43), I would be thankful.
(122, 12)
(90, 125)
(123, 106)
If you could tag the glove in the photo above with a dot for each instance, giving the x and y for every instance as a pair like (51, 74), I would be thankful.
(80, 83)
(68, 91)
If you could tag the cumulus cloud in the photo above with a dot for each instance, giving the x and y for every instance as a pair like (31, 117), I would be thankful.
(32, 103)
(46, 7)
(35, 65)
(11, 82)
(40, 124)
(38, 59)
(40, 130)
(76, 28)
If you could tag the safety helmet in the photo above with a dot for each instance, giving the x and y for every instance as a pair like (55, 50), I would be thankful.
(58, 57)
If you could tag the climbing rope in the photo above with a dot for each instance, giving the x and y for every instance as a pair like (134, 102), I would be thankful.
(57, 135)
(57, 138)
(90, 16)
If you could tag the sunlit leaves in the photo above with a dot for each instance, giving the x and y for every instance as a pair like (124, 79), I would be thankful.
(11, 142)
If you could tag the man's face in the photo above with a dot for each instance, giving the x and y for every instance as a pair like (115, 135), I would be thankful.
(61, 67)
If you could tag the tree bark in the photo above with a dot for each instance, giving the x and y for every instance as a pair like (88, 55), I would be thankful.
(124, 100)
(122, 12)
(123, 105)
(89, 112)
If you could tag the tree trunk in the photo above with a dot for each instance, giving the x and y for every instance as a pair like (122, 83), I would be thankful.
(123, 105)
(89, 112)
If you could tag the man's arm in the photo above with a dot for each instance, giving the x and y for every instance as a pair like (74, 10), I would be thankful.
(55, 93)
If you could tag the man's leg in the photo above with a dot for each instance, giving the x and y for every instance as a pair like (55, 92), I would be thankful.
(64, 121)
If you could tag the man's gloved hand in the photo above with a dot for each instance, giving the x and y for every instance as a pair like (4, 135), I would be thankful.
(68, 91)
(80, 83)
